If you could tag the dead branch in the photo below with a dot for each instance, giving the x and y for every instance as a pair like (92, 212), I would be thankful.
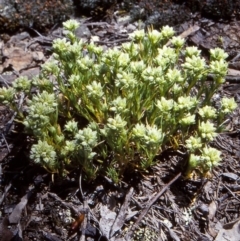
(143, 213)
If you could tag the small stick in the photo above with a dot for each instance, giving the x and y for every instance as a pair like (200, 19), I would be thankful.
(84, 223)
(129, 235)
(113, 41)
(74, 208)
(6, 143)
(121, 217)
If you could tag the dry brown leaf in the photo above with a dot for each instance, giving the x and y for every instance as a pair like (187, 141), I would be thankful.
(212, 210)
(17, 211)
(230, 231)
(17, 58)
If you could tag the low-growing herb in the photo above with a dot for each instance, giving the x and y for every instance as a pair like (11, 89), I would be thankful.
(115, 110)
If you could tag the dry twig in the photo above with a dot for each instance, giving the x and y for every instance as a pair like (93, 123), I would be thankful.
(143, 213)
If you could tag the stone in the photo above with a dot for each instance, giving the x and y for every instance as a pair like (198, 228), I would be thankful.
(93, 5)
(37, 14)
(216, 8)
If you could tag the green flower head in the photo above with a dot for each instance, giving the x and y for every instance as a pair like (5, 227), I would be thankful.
(218, 54)
(131, 48)
(154, 36)
(111, 54)
(69, 148)
(76, 49)
(125, 80)
(44, 154)
(186, 102)
(137, 67)
(165, 105)
(71, 126)
(207, 130)
(87, 137)
(219, 67)
(95, 90)
(71, 25)
(51, 67)
(123, 60)
(85, 63)
(167, 32)
(7, 95)
(22, 83)
(139, 131)
(152, 75)
(92, 48)
(187, 120)
(116, 123)
(167, 55)
(193, 143)
(174, 76)
(119, 105)
(177, 89)
(61, 45)
(154, 135)
(194, 64)
(74, 79)
(177, 42)
(228, 105)
(211, 156)
(194, 161)
(207, 112)
(137, 35)
(192, 51)
(45, 98)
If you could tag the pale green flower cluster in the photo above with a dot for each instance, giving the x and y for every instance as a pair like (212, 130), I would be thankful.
(192, 51)
(42, 110)
(115, 109)
(194, 143)
(187, 120)
(86, 139)
(61, 45)
(165, 57)
(22, 84)
(7, 95)
(203, 157)
(125, 80)
(194, 64)
(178, 42)
(44, 154)
(137, 35)
(209, 158)
(207, 112)
(228, 105)
(218, 54)
(165, 106)
(116, 123)
(207, 130)
(50, 67)
(95, 90)
(71, 127)
(149, 136)
(71, 25)
(186, 103)
(119, 105)
(148, 141)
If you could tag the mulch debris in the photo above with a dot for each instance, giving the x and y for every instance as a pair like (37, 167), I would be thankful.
(160, 205)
